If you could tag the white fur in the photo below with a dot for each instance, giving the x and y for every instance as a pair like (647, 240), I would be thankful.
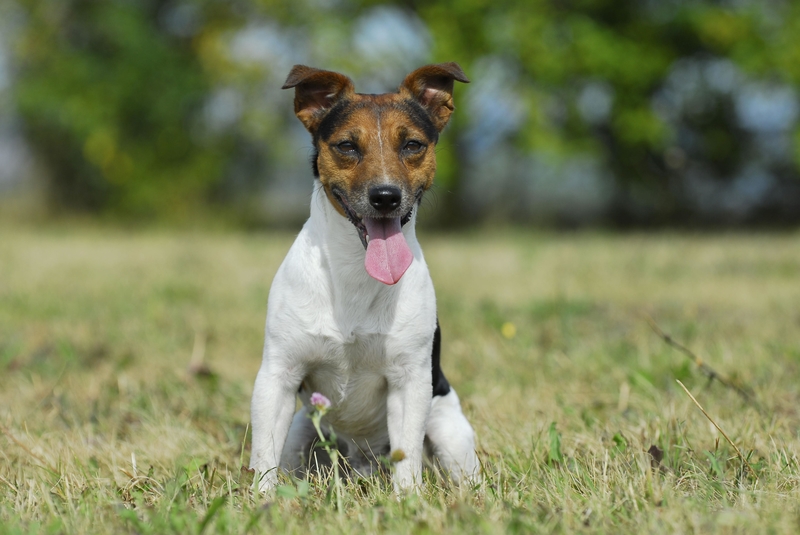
(364, 345)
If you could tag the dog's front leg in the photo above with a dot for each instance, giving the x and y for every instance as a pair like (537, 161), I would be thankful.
(408, 404)
(271, 414)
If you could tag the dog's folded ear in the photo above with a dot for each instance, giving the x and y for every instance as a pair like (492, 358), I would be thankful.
(432, 86)
(315, 92)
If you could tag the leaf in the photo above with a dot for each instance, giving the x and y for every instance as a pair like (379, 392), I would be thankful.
(129, 515)
(303, 488)
(554, 456)
(716, 468)
(286, 491)
(194, 466)
(213, 509)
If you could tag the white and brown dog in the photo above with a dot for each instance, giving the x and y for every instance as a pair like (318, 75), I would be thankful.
(352, 311)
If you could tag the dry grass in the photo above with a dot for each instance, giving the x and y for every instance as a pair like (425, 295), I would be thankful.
(105, 431)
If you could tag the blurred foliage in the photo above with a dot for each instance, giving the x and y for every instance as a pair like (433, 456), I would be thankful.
(628, 48)
(109, 100)
(115, 95)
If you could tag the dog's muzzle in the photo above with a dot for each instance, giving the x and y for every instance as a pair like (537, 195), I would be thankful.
(387, 253)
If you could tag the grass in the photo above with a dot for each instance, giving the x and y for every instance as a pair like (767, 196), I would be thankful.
(103, 429)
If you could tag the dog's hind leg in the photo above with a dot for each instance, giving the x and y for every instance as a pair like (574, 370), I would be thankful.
(302, 453)
(452, 439)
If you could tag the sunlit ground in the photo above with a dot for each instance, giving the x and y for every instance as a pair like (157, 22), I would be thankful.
(105, 429)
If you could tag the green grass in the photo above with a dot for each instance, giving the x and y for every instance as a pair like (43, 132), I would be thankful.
(98, 328)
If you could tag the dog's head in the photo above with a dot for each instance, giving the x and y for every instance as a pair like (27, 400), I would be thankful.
(374, 154)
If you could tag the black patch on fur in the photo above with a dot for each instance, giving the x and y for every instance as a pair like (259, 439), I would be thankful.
(314, 163)
(337, 115)
(440, 385)
(332, 121)
(421, 118)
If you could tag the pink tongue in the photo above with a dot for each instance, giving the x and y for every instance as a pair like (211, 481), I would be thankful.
(388, 255)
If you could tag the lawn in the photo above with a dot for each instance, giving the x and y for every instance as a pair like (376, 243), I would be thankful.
(127, 362)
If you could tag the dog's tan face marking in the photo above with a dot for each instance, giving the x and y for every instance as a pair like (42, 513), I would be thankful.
(376, 143)
(364, 142)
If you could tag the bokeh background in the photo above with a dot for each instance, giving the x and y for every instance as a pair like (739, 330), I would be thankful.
(580, 112)
(153, 176)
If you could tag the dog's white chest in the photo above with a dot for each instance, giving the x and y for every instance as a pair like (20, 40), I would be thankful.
(352, 374)
(339, 332)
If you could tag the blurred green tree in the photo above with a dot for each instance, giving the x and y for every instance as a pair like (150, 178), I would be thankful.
(114, 95)
(111, 99)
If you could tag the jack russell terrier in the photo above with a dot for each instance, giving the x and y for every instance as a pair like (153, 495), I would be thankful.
(352, 311)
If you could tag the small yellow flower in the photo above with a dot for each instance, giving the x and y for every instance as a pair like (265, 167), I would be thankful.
(509, 330)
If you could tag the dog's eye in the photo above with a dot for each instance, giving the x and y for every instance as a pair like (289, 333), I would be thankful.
(413, 146)
(346, 147)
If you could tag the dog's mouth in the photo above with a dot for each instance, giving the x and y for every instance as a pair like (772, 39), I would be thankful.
(358, 221)
(388, 255)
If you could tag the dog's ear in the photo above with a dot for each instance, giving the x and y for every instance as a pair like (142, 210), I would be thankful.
(315, 92)
(432, 86)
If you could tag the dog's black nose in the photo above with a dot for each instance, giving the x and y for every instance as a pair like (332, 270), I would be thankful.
(385, 198)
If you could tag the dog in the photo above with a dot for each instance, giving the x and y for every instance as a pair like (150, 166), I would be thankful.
(351, 312)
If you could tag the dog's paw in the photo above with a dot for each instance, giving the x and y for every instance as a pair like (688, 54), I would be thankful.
(467, 477)
(265, 482)
(407, 477)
